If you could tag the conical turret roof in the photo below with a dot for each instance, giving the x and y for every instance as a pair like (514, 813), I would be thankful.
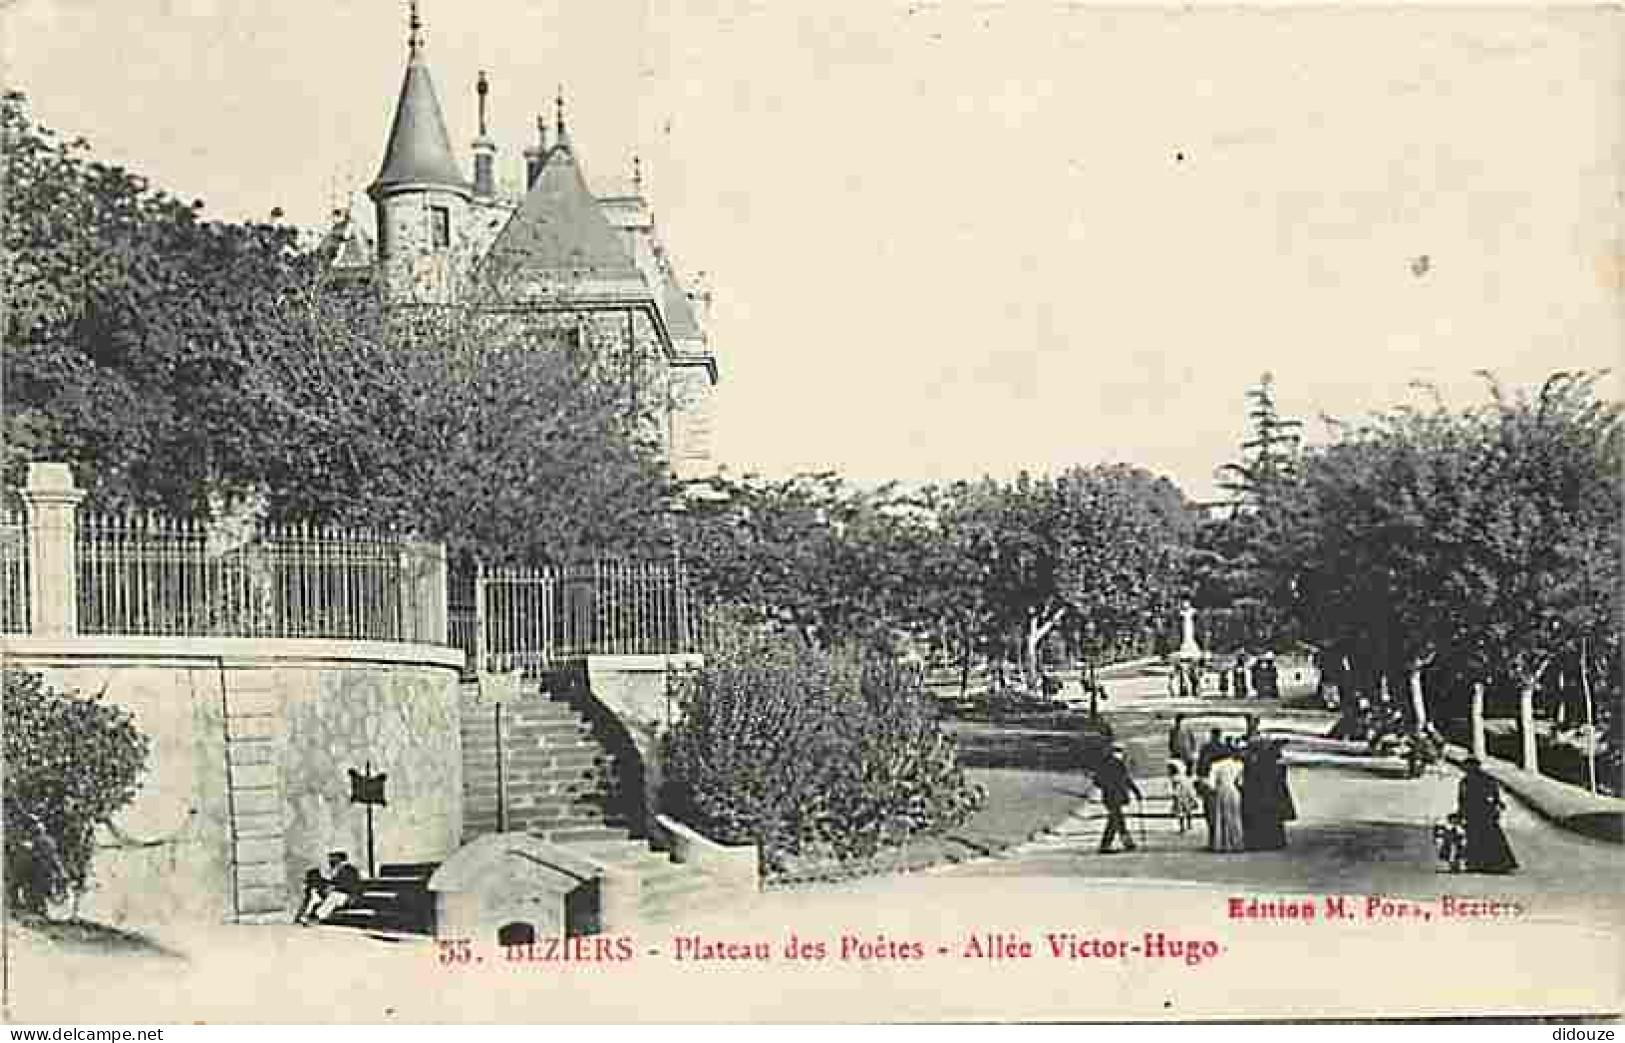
(419, 149)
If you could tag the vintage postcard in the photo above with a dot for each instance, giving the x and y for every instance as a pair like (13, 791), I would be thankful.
(562, 512)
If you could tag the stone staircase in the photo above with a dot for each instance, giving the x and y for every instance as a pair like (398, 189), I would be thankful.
(558, 778)
(668, 892)
(396, 901)
(559, 782)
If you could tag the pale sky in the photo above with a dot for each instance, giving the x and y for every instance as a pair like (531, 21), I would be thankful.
(964, 238)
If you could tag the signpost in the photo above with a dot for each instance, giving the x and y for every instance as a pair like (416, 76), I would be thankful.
(368, 789)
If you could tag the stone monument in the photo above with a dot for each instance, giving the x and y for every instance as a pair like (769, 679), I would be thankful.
(1190, 654)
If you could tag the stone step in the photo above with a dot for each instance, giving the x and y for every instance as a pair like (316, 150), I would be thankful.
(658, 876)
(574, 827)
(619, 851)
(580, 763)
(359, 916)
(422, 870)
(373, 930)
(536, 710)
(550, 786)
(570, 836)
(574, 755)
(595, 819)
(673, 889)
(376, 891)
(542, 792)
(553, 728)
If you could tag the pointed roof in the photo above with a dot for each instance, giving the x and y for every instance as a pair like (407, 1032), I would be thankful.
(560, 230)
(419, 149)
(679, 311)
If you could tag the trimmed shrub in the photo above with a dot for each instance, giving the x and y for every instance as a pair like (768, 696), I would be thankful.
(807, 752)
(71, 762)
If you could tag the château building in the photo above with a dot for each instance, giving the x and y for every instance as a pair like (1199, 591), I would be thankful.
(555, 252)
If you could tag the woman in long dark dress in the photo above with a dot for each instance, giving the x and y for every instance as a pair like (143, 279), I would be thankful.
(1479, 801)
(1266, 803)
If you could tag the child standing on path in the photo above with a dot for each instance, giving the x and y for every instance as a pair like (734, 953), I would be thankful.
(1182, 791)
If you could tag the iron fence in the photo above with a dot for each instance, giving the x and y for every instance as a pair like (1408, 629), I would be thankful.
(14, 617)
(149, 575)
(527, 619)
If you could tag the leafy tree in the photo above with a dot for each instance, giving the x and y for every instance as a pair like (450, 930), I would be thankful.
(1268, 470)
(808, 553)
(507, 436)
(71, 764)
(1101, 547)
(1543, 567)
(1234, 574)
(1389, 509)
(952, 569)
(1480, 541)
(133, 327)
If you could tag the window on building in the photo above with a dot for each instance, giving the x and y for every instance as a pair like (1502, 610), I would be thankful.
(440, 227)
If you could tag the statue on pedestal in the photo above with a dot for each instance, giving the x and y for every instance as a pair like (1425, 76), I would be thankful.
(1190, 654)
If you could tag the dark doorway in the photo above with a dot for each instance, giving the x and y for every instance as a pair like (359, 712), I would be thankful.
(516, 934)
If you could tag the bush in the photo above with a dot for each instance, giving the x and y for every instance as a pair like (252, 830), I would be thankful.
(71, 762)
(807, 752)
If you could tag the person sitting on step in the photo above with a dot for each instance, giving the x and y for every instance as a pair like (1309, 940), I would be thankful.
(326, 895)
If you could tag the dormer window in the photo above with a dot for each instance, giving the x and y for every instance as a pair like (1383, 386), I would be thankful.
(440, 227)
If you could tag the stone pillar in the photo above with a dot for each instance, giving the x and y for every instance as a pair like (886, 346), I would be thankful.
(53, 500)
(618, 897)
(423, 593)
(1477, 721)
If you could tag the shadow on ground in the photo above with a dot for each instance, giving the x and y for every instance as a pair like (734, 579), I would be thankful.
(1067, 746)
(90, 937)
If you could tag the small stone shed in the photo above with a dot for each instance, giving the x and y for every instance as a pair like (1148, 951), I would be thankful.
(514, 889)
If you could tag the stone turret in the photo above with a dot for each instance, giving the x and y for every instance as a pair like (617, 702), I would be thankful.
(420, 194)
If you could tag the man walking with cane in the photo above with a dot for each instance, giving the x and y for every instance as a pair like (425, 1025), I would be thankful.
(1116, 786)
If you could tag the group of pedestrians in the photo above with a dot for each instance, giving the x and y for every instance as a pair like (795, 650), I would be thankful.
(1240, 786)
(1248, 677)
(1251, 676)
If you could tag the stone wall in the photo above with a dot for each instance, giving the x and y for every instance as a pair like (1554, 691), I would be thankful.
(208, 840)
